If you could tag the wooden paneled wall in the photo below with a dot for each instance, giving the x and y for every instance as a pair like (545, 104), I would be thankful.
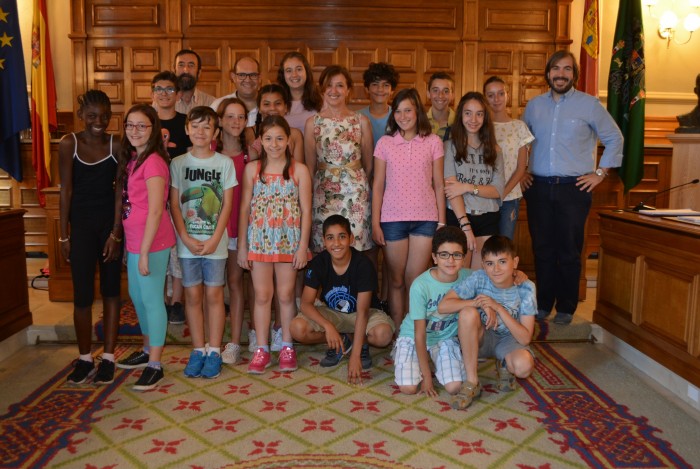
(119, 46)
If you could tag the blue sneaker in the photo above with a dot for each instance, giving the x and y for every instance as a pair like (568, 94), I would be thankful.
(333, 357)
(212, 366)
(194, 364)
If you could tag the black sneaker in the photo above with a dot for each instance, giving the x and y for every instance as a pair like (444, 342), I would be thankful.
(135, 360)
(365, 357)
(176, 314)
(150, 377)
(333, 357)
(82, 371)
(105, 373)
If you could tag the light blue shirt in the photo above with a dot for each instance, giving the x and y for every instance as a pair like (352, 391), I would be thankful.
(567, 132)
(378, 124)
(426, 292)
(518, 300)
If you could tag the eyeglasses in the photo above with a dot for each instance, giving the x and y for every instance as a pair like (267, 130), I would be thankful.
(141, 127)
(250, 76)
(161, 90)
(458, 256)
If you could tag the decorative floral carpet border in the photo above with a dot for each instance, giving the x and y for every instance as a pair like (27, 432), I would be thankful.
(313, 418)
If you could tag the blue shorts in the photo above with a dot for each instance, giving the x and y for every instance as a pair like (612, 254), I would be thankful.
(196, 270)
(398, 230)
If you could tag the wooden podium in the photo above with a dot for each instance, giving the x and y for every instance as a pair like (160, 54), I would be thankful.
(649, 288)
(14, 298)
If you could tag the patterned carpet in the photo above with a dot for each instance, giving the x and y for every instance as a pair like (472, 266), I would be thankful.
(313, 418)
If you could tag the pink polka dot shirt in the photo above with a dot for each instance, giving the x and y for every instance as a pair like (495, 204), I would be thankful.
(409, 194)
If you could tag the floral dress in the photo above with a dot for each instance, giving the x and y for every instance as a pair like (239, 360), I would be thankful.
(340, 183)
(274, 225)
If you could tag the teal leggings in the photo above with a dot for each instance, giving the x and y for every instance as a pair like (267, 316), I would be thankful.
(147, 295)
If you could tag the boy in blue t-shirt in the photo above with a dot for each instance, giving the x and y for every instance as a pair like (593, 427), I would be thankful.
(428, 334)
(502, 312)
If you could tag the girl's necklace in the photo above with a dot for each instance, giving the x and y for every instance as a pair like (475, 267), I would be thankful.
(475, 148)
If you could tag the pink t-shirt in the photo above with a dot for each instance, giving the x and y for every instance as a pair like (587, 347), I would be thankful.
(135, 209)
(408, 193)
(239, 162)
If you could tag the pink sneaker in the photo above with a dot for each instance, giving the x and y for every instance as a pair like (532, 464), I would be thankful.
(288, 359)
(260, 361)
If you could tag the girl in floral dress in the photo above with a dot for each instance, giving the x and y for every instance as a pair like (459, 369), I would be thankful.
(273, 234)
(338, 149)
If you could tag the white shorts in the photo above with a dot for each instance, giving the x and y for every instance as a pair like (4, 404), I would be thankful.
(233, 244)
(446, 355)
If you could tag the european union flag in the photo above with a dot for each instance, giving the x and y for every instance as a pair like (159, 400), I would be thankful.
(14, 110)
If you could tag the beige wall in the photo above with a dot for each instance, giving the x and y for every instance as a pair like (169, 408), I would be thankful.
(59, 28)
(670, 76)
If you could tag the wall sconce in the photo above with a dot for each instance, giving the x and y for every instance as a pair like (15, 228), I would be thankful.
(668, 20)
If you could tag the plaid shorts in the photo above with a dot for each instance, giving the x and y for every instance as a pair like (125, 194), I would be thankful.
(446, 355)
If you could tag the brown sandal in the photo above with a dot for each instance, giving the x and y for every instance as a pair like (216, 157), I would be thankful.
(467, 393)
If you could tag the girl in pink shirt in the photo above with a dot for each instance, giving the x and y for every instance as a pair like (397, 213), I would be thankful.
(232, 142)
(407, 201)
(149, 233)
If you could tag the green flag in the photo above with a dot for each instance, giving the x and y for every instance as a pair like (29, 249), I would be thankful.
(626, 89)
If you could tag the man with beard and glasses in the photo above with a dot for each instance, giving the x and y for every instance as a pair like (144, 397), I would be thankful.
(567, 124)
(188, 65)
(246, 76)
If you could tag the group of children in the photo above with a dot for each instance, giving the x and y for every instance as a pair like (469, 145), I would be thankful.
(231, 216)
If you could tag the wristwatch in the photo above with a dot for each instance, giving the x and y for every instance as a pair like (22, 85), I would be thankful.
(475, 191)
(601, 172)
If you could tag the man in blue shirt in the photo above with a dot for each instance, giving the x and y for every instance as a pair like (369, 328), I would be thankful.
(567, 124)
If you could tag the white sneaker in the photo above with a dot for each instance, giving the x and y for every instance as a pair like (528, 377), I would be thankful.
(276, 345)
(252, 341)
(231, 354)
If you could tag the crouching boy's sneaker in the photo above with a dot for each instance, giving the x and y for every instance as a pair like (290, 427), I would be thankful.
(506, 380)
(149, 378)
(334, 356)
(466, 395)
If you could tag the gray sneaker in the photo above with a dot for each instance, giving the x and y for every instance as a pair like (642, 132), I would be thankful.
(334, 356)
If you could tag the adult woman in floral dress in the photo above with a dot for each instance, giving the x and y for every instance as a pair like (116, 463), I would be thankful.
(338, 151)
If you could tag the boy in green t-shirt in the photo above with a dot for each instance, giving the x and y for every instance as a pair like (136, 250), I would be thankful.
(425, 333)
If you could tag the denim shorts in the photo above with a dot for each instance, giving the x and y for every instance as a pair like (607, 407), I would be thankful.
(398, 230)
(198, 269)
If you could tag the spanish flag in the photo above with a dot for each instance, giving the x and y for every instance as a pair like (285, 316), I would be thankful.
(43, 98)
(588, 78)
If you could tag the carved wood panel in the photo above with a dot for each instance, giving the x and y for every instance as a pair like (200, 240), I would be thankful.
(123, 45)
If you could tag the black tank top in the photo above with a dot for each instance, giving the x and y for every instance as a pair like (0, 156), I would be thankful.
(93, 187)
